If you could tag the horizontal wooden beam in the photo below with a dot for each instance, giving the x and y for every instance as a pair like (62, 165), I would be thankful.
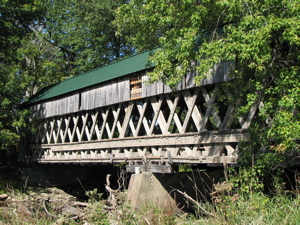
(178, 160)
(158, 140)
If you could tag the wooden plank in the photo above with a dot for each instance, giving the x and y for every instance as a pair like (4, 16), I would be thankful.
(126, 90)
(115, 92)
(87, 99)
(83, 101)
(230, 150)
(47, 132)
(131, 126)
(68, 104)
(71, 103)
(94, 120)
(60, 103)
(190, 102)
(157, 106)
(197, 116)
(116, 117)
(67, 122)
(56, 107)
(91, 99)
(120, 88)
(128, 111)
(145, 80)
(145, 122)
(153, 89)
(50, 108)
(61, 106)
(75, 121)
(167, 89)
(172, 108)
(64, 105)
(109, 133)
(190, 80)
(160, 87)
(142, 110)
(183, 85)
(213, 160)
(109, 94)
(102, 96)
(209, 100)
(51, 129)
(158, 140)
(104, 117)
(84, 121)
(98, 97)
(173, 114)
(74, 103)
(160, 119)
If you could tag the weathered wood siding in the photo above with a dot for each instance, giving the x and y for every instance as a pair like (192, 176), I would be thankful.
(219, 73)
(60, 106)
(106, 94)
(118, 90)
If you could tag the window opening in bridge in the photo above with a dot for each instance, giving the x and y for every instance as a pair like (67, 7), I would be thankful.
(79, 101)
(135, 87)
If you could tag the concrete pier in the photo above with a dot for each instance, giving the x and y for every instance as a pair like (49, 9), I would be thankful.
(145, 190)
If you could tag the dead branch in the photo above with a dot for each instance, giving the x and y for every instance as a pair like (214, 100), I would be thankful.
(112, 199)
(45, 208)
(80, 204)
(195, 202)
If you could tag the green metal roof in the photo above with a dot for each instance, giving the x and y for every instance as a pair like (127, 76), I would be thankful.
(120, 68)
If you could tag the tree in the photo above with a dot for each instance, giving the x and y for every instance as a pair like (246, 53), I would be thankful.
(16, 19)
(261, 39)
(84, 33)
(45, 42)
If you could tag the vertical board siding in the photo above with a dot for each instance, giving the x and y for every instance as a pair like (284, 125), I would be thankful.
(108, 94)
(115, 92)
(56, 107)
(124, 90)
(145, 81)
(118, 90)
(190, 80)
(111, 93)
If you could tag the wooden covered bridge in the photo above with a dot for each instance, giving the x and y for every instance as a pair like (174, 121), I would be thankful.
(114, 115)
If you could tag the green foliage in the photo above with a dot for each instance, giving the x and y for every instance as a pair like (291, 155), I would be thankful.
(258, 173)
(260, 38)
(156, 216)
(94, 195)
(84, 33)
(249, 180)
(45, 42)
(184, 168)
(97, 215)
(16, 17)
(258, 209)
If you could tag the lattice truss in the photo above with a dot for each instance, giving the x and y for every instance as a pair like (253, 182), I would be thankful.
(191, 126)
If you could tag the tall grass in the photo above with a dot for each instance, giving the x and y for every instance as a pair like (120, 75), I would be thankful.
(255, 209)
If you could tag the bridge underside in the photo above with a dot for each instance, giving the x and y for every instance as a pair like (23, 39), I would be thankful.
(190, 126)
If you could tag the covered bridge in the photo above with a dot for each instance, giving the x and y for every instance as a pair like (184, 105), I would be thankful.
(114, 115)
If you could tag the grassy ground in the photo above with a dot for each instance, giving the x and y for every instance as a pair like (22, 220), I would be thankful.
(34, 205)
(254, 209)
